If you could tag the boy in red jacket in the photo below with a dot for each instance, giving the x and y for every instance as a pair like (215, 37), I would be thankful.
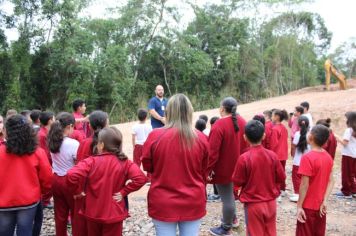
(259, 173)
(316, 185)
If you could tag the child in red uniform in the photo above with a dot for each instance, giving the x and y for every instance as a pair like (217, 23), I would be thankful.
(177, 156)
(64, 154)
(316, 185)
(258, 172)
(81, 128)
(268, 129)
(140, 132)
(279, 141)
(299, 147)
(46, 118)
(226, 143)
(25, 173)
(293, 120)
(331, 145)
(98, 120)
(348, 162)
(104, 177)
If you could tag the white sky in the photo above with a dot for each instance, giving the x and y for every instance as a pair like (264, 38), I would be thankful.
(339, 16)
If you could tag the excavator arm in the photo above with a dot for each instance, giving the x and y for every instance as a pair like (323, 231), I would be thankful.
(331, 69)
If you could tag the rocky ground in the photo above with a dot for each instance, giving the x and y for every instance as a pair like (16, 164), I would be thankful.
(341, 218)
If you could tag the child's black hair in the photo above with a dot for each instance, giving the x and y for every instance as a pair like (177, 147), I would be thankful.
(320, 134)
(260, 118)
(282, 114)
(305, 105)
(299, 109)
(303, 123)
(142, 114)
(25, 113)
(213, 120)
(55, 134)
(35, 115)
(77, 103)
(326, 122)
(45, 116)
(98, 120)
(230, 106)
(200, 125)
(254, 131)
(204, 117)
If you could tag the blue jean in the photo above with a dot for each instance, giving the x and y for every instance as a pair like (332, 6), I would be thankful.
(37, 224)
(186, 228)
(22, 220)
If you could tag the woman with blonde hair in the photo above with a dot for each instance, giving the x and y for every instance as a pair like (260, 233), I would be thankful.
(177, 157)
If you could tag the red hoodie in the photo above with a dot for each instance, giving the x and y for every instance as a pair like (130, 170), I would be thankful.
(266, 143)
(103, 176)
(177, 191)
(279, 141)
(42, 141)
(23, 178)
(225, 148)
(85, 150)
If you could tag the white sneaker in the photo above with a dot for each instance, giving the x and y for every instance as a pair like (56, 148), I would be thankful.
(294, 198)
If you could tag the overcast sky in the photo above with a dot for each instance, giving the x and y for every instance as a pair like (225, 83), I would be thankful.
(339, 16)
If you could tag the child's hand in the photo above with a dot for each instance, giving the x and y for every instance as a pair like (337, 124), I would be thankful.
(79, 196)
(323, 210)
(117, 197)
(301, 217)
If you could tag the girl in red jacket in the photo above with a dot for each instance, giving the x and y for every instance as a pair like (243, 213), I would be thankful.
(279, 140)
(177, 157)
(226, 144)
(64, 154)
(330, 145)
(102, 179)
(25, 173)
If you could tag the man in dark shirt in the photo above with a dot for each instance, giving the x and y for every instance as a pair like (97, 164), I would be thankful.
(156, 107)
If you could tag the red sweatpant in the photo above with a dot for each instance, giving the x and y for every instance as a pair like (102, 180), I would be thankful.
(348, 175)
(296, 179)
(95, 229)
(137, 153)
(261, 218)
(79, 223)
(63, 204)
(313, 226)
(283, 185)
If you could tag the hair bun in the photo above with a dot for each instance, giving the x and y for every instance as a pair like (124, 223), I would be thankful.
(328, 120)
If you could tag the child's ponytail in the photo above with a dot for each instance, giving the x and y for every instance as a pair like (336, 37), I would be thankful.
(112, 139)
(282, 114)
(303, 123)
(55, 134)
(98, 120)
(230, 106)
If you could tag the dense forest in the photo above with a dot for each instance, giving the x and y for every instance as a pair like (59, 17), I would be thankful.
(115, 62)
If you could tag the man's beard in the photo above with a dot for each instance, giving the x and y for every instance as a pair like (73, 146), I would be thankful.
(159, 95)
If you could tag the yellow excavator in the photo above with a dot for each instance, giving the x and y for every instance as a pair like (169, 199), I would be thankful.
(331, 69)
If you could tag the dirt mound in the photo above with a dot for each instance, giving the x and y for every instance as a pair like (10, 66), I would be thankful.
(351, 83)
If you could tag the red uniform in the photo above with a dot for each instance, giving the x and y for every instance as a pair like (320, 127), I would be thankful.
(330, 145)
(137, 153)
(78, 135)
(82, 127)
(42, 141)
(23, 178)
(259, 173)
(279, 144)
(100, 177)
(225, 148)
(177, 191)
(317, 166)
(85, 150)
(266, 143)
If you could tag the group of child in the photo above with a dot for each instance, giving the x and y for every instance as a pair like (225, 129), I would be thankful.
(74, 145)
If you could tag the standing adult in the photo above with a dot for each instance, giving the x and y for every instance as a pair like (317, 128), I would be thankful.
(177, 158)
(226, 143)
(156, 107)
(25, 173)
